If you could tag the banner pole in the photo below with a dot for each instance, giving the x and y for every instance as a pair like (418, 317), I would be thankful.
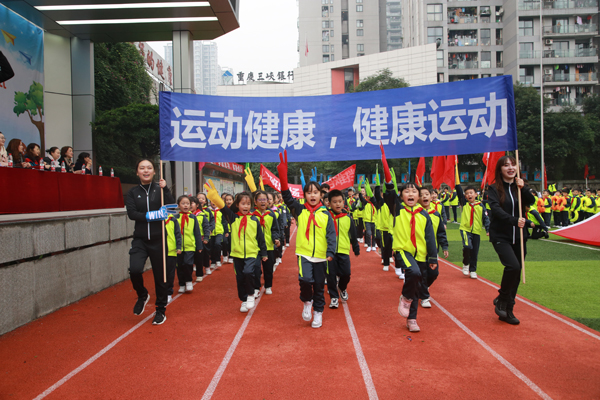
(520, 216)
(162, 203)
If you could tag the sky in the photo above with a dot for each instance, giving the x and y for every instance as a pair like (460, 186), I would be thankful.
(266, 40)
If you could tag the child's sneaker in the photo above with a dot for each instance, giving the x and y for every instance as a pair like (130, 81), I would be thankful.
(386, 268)
(317, 319)
(159, 318)
(189, 286)
(404, 306)
(391, 260)
(465, 270)
(412, 326)
(268, 291)
(344, 295)
(256, 293)
(425, 303)
(213, 266)
(181, 289)
(199, 278)
(473, 275)
(244, 307)
(368, 249)
(218, 264)
(208, 271)
(306, 311)
(334, 303)
(250, 302)
(169, 299)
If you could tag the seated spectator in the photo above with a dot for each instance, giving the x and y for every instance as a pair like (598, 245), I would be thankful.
(16, 149)
(3, 152)
(83, 160)
(53, 157)
(33, 155)
(66, 156)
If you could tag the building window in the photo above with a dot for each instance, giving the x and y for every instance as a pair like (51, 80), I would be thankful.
(326, 36)
(434, 34)
(331, 47)
(325, 24)
(440, 58)
(330, 24)
(359, 1)
(434, 12)
(324, 1)
(526, 50)
(486, 37)
(359, 23)
(440, 78)
(526, 27)
(360, 47)
(332, 58)
(331, 9)
(325, 48)
(331, 33)
(360, 32)
(360, 54)
(325, 58)
(324, 11)
(359, 8)
(486, 59)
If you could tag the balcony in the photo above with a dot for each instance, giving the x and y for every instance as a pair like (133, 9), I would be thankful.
(564, 4)
(462, 42)
(566, 30)
(463, 65)
(529, 54)
(498, 41)
(529, 5)
(526, 80)
(570, 53)
(583, 77)
(566, 101)
(463, 19)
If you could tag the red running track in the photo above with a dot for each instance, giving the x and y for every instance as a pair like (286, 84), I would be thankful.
(97, 348)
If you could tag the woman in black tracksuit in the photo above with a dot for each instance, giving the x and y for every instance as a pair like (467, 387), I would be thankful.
(505, 232)
(144, 207)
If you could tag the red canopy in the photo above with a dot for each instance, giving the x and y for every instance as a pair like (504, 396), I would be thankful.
(587, 231)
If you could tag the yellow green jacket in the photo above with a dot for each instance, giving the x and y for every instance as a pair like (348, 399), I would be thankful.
(345, 233)
(270, 229)
(248, 241)
(441, 239)
(173, 236)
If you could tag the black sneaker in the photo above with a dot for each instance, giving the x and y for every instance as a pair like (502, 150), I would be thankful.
(140, 304)
(510, 318)
(496, 300)
(501, 309)
(159, 318)
(344, 295)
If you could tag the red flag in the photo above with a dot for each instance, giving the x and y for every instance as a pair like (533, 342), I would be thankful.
(450, 171)
(486, 158)
(420, 171)
(306, 50)
(344, 179)
(491, 166)
(270, 179)
(437, 171)
(586, 172)
(545, 176)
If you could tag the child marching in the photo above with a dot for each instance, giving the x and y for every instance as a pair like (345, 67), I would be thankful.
(272, 233)
(473, 218)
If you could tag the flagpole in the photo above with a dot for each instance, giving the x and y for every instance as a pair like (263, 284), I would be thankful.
(520, 216)
(162, 203)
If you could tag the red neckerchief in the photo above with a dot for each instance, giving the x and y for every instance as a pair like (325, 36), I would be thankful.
(335, 218)
(311, 217)
(168, 219)
(216, 211)
(373, 207)
(473, 211)
(243, 223)
(261, 216)
(197, 211)
(413, 224)
(184, 219)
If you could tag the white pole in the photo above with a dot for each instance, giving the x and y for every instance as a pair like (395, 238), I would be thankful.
(543, 175)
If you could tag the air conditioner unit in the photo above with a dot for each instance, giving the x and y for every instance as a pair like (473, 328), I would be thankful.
(548, 42)
(547, 71)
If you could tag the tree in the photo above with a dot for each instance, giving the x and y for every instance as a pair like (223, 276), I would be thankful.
(120, 76)
(380, 81)
(32, 103)
(124, 135)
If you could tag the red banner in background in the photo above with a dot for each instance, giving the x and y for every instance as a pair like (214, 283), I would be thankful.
(344, 179)
(270, 179)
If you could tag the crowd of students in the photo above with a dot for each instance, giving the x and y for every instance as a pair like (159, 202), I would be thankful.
(405, 225)
(17, 155)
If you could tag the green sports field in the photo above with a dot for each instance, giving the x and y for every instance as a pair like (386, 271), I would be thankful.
(559, 276)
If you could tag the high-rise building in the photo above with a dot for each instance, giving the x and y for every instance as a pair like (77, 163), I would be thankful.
(207, 73)
(558, 52)
(331, 30)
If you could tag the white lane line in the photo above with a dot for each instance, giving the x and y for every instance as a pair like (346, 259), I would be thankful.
(217, 377)
(362, 362)
(570, 244)
(236, 340)
(502, 360)
(525, 301)
(96, 356)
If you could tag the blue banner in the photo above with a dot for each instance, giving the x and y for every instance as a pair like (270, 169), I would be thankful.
(464, 177)
(466, 117)
(537, 176)
(478, 176)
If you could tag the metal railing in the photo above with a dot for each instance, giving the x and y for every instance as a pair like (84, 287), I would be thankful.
(526, 80)
(463, 19)
(462, 42)
(463, 65)
(591, 52)
(576, 77)
(566, 101)
(571, 29)
(557, 4)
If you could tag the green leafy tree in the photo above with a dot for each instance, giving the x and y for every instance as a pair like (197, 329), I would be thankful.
(382, 80)
(124, 135)
(120, 76)
(591, 110)
(32, 103)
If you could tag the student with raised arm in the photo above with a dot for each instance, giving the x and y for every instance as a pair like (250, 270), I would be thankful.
(315, 243)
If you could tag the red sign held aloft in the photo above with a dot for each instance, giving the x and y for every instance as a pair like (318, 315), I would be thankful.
(270, 179)
(344, 179)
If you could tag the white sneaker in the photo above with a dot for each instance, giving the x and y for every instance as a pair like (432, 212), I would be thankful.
(199, 278)
(386, 268)
(287, 245)
(382, 261)
(274, 267)
(278, 260)
(425, 303)
(334, 303)
(181, 289)
(194, 268)
(268, 290)
(366, 245)
(344, 295)
(369, 249)
(473, 275)
(399, 273)
(218, 264)
(256, 293)
(213, 266)
(317, 319)
(189, 286)
(306, 311)
(250, 302)
(465, 270)
(208, 271)
(169, 299)
(244, 307)
(392, 260)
